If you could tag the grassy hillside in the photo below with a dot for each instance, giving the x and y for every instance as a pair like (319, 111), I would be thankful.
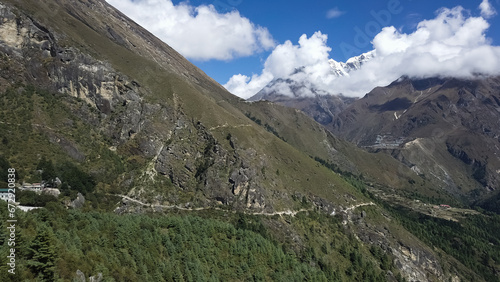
(380, 168)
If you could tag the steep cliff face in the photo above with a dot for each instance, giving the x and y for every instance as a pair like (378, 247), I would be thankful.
(124, 114)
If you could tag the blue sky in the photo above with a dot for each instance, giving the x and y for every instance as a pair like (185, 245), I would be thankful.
(289, 19)
(350, 27)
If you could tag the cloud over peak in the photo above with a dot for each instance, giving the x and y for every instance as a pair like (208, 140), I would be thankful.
(445, 46)
(310, 55)
(453, 44)
(199, 33)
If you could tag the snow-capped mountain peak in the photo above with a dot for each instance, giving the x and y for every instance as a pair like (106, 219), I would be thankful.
(354, 63)
(298, 84)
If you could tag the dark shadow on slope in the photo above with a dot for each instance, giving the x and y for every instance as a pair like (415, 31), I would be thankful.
(397, 104)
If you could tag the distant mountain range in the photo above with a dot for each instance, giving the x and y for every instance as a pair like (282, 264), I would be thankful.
(291, 87)
(448, 129)
(444, 128)
(321, 105)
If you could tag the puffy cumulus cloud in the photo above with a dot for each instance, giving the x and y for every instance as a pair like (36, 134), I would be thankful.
(310, 56)
(487, 10)
(453, 44)
(199, 33)
(311, 53)
(245, 87)
(445, 46)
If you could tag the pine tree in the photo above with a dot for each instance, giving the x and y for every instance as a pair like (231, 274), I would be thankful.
(48, 170)
(177, 273)
(41, 255)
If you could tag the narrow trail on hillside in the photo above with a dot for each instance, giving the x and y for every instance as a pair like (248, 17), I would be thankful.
(359, 205)
(280, 213)
(230, 126)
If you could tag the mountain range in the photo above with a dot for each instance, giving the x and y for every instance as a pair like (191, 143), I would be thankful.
(322, 105)
(177, 179)
(444, 128)
(415, 120)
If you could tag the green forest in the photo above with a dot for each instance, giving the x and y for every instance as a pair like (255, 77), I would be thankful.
(54, 242)
(474, 241)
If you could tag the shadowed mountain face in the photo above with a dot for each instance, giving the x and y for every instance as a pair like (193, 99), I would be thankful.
(321, 107)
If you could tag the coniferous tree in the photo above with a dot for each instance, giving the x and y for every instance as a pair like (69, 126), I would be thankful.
(48, 170)
(42, 255)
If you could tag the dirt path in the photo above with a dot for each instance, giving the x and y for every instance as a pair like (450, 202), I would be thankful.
(231, 126)
(280, 213)
(359, 205)
(179, 207)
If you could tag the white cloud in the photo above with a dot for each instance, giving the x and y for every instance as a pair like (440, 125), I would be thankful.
(199, 33)
(453, 44)
(311, 54)
(487, 10)
(245, 86)
(334, 13)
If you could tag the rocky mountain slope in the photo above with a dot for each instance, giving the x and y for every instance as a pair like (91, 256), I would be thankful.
(414, 120)
(446, 129)
(105, 90)
(143, 103)
(116, 114)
